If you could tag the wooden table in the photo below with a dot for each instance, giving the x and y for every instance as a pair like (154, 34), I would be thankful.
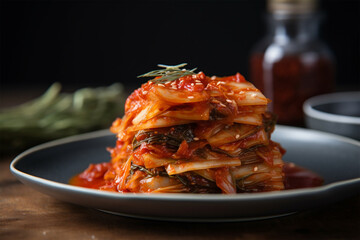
(28, 214)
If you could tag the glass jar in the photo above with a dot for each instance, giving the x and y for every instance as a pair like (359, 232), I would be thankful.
(291, 63)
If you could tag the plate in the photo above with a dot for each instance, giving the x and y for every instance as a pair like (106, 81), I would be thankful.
(48, 168)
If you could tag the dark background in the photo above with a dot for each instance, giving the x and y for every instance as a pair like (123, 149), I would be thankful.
(95, 43)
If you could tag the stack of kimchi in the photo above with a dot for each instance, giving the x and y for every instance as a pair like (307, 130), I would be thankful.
(190, 133)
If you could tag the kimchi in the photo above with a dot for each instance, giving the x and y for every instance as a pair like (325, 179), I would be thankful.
(185, 132)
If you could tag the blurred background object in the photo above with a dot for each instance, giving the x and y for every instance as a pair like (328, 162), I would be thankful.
(291, 63)
(56, 115)
(97, 43)
(337, 113)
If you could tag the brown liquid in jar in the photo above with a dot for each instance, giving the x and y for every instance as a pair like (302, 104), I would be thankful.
(291, 80)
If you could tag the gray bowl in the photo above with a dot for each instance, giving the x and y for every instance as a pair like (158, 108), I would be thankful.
(337, 113)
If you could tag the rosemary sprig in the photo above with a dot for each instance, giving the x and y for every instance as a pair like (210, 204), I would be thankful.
(170, 73)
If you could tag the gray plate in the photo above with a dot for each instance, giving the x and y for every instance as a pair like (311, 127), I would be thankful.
(49, 167)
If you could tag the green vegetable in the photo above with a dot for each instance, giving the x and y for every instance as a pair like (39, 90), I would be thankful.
(54, 115)
(170, 73)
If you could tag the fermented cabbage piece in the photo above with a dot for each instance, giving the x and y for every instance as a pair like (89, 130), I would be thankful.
(185, 132)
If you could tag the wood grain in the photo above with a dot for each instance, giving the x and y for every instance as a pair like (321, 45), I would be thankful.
(28, 214)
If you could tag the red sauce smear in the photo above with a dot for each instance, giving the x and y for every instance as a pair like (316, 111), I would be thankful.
(295, 177)
(92, 177)
(299, 177)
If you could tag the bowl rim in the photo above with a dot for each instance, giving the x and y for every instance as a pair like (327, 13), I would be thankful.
(310, 111)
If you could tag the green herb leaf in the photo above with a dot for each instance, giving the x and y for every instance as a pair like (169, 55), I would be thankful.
(170, 73)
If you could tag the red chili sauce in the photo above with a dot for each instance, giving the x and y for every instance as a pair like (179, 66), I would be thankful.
(295, 177)
(290, 81)
(298, 177)
(93, 176)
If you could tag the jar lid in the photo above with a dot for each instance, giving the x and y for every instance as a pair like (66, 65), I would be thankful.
(292, 6)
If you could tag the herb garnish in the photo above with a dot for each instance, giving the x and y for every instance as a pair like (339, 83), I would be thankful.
(170, 73)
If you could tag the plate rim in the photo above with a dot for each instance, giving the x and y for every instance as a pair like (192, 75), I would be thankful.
(174, 196)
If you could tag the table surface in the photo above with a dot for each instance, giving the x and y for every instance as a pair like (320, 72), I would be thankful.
(28, 214)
